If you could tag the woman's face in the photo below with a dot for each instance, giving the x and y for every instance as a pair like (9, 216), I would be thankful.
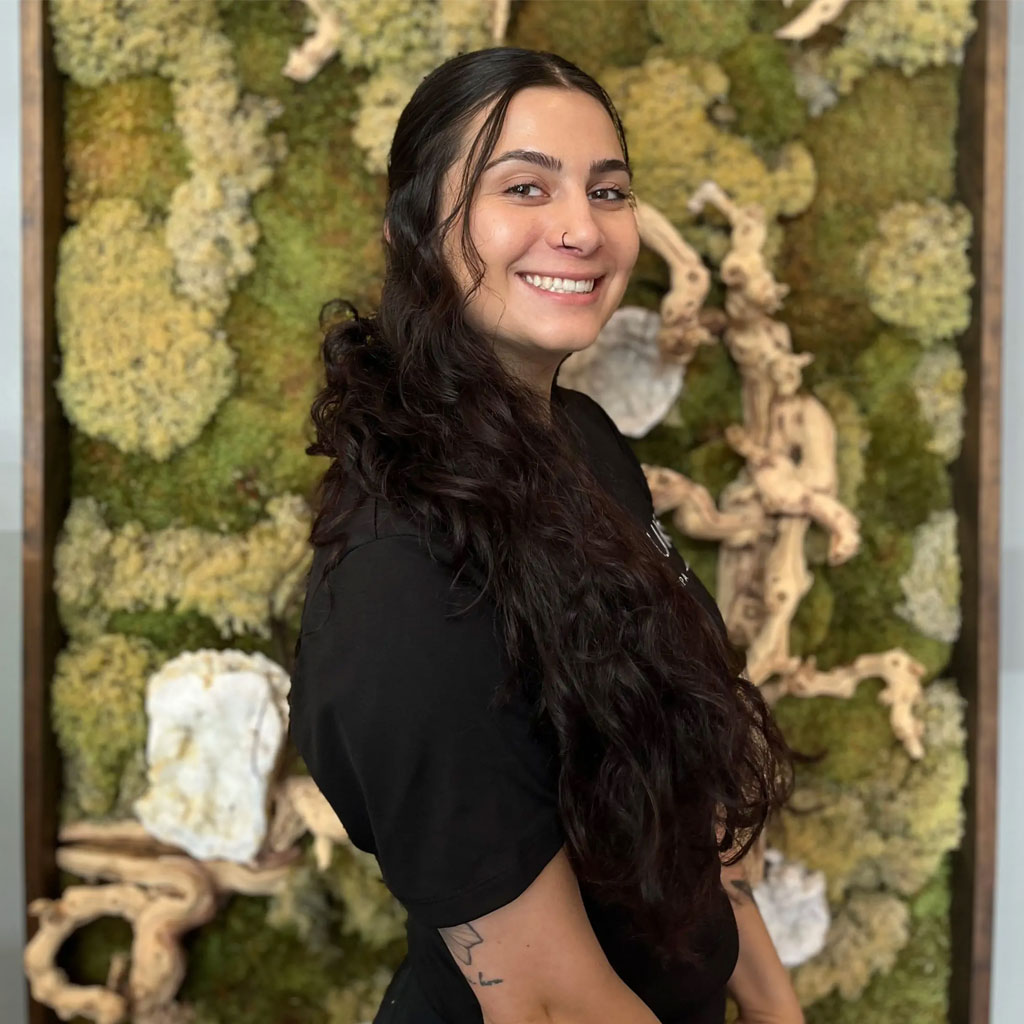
(556, 175)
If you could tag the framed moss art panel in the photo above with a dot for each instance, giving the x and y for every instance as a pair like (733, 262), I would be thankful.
(806, 364)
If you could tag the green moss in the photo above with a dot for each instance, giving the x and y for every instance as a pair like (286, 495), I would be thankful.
(857, 180)
(699, 28)
(866, 590)
(884, 367)
(262, 34)
(245, 455)
(852, 438)
(854, 734)
(613, 33)
(172, 633)
(120, 141)
(762, 93)
(87, 954)
(712, 465)
(228, 979)
(712, 394)
(813, 617)
(321, 218)
(648, 282)
(904, 481)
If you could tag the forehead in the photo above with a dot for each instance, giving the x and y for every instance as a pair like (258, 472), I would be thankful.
(558, 119)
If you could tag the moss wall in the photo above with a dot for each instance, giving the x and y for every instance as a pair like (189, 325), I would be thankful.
(215, 204)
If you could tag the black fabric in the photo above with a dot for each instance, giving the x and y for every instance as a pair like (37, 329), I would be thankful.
(391, 709)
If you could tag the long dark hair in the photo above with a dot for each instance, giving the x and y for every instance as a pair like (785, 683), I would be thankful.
(663, 745)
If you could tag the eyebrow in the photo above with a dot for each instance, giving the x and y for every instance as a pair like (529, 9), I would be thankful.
(551, 163)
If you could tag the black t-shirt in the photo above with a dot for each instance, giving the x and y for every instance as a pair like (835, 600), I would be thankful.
(391, 710)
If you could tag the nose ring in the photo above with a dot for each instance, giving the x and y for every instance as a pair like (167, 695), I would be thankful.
(564, 233)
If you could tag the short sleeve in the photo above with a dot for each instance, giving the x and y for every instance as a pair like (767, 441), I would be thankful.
(393, 713)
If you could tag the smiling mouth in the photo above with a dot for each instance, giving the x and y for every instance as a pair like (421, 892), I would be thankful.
(562, 285)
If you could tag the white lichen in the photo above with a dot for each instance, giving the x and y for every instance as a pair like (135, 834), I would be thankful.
(907, 34)
(938, 381)
(931, 586)
(917, 271)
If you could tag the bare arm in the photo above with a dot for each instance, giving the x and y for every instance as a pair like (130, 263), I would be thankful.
(760, 983)
(537, 959)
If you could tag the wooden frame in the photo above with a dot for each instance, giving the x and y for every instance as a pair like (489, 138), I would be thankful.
(976, 479)
(44, 447)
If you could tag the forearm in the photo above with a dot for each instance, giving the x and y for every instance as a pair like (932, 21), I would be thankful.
(760, 983)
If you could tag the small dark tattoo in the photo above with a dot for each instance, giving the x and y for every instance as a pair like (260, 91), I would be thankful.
(460, 939)
(481, 980)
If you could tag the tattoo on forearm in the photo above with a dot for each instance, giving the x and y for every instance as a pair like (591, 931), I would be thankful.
(743, 888)
(460, 940)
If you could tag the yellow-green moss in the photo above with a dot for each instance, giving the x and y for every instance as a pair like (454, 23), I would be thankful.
(398, 42)
(142, 367)
(699, 28)
(863, 941)
(867, 815)
(96, 42)
(614, 33)
(762, 92)
(240, 582)
(916, 989)
(121, 142)
(916, 269)
(231, 153)
(371, 913)
(910, 34)
(98, 694)
(675, 146)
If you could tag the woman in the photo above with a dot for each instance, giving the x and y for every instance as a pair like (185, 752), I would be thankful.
(509, 685)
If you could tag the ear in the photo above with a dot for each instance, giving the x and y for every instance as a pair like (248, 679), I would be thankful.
(387, 232)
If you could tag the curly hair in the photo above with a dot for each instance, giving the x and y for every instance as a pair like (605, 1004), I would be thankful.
(669, 758)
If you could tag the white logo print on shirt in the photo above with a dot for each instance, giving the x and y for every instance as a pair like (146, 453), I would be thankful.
(656, 532)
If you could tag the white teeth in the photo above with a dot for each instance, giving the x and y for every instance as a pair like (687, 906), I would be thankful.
(560, 284)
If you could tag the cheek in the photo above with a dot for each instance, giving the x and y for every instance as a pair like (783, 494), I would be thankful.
(502, 235)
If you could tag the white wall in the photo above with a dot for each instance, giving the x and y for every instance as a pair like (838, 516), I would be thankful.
(12, 997)
(1008, 979)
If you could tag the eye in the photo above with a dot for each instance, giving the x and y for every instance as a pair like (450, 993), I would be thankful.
(512, 189)
(617, 194)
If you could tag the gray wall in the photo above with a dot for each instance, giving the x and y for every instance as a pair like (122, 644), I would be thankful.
(1008, 981)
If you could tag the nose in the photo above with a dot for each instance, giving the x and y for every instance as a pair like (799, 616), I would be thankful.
(573, 219)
